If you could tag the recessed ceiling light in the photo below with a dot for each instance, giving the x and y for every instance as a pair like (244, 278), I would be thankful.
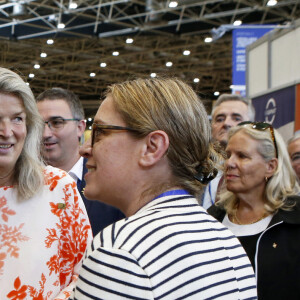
(27, 83)
(153, 75)
(173, 4)
(186, 52)
(103, 65)
(217, 93)
(90, 128)
(208, 40)
(169, 64)
(129, 41)
(115, 53)
(237, 23)
(73, 5)
(31, 75)
(61, 25)
(36, 66)
(196, 80)
(43, 54)
(272, 3)
(89, 119)
(92, 74)
(50, 42)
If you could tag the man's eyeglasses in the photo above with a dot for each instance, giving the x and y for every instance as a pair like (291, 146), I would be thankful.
(58, 123)
(98, 129)
(263, 126)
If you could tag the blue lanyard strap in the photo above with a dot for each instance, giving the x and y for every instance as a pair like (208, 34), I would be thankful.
(173, 193)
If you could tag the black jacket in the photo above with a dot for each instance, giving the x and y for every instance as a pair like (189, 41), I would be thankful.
(277, 258)
(99, 213)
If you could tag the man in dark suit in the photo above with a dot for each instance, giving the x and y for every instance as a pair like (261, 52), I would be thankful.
(63, 114)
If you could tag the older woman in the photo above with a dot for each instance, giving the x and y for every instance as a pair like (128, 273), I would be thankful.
(259, 206)
(43, 229)
(150, 147)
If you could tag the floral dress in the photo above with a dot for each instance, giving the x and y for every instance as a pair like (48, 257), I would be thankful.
(42, 239)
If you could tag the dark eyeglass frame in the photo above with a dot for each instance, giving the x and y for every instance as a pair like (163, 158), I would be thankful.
(263, 126)
(99, 127)
(51, 127)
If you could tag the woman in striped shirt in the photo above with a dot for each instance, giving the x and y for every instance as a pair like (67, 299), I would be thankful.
(149, 155)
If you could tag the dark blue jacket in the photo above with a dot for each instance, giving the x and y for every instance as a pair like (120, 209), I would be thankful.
(100, 214)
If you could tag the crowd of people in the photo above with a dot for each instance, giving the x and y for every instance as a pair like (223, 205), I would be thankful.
(160, 203)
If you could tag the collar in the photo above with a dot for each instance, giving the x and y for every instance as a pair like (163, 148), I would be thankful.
(76, 171)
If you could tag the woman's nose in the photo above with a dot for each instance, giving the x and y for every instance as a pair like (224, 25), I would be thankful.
(6, 129)
(86, 149)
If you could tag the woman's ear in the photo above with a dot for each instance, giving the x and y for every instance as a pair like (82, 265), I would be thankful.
(271, 167)
(155, 147)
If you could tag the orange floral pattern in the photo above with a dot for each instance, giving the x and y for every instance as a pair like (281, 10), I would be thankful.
(43, 240)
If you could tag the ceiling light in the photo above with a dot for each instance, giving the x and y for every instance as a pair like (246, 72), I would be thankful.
(173, 4)
(92, 74)
(43, 54)
(90, 128)
(153, 75)
(237, 23)
(129, 41)
(169, 64)
(186, 52)
(216, 93)
(61, 25)
(73, 5)
(196, 80)
(36, 66)
(27, 83)
(89, 119)
(115, 53)
(50, 42)
(208, 40)
(272, 3)
(103, 65)
(31, 75)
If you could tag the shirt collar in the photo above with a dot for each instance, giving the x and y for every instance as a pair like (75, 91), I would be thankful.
(76, 171)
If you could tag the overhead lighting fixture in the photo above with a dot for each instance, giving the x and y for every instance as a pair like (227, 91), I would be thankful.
(50, 42)
(61, 25)
(173, 4)
(36, 66)
(217, 93)
(73, 5)
(115, 53)
(272, 3)
(31, 75)
(169, 64)
(129, 41)
(186, 52)
(92, 74)
(43, 54)
(153, 75)
(103, 65)
(90, 119)
(208, 40)
(237, 23)
(196, 80)
(90, 128)
(27, 83)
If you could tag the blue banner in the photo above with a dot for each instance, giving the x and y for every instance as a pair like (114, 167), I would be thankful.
(241, 38)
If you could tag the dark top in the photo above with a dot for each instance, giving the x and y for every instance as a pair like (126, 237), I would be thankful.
(249, 244)
(99, 213)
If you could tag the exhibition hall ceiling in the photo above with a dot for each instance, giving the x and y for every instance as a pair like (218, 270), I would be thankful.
(99, 42)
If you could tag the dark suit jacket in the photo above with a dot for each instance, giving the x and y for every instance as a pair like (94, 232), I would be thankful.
(100, 214)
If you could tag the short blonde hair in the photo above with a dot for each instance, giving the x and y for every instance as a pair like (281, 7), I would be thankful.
(170, 105)
(28, 175)
(282, 184)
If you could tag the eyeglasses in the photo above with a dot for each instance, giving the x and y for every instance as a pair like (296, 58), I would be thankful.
(98, 129)
(263, 126)
(58, 123)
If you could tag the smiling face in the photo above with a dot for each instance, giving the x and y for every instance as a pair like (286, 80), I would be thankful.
(113, 161)
(12, 132)
(245, 168)
(61, 147)
(228, 114)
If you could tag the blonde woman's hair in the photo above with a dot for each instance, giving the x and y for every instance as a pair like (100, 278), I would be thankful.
(28, 174)
(170, 105)
(282, 184)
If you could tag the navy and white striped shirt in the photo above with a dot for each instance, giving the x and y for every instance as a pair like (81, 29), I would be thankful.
(170, 249)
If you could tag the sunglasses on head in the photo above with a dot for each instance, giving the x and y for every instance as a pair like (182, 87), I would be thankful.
(262, 126)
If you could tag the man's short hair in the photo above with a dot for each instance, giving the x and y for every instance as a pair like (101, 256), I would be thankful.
(235, 97)
(295, 137)
(71, 98)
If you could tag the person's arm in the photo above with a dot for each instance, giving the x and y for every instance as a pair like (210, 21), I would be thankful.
(76, 236)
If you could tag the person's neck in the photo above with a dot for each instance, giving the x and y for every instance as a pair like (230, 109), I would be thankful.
(6, 178)
(65, 165)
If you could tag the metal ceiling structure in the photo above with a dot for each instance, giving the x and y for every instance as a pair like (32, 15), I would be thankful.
(94, 29)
